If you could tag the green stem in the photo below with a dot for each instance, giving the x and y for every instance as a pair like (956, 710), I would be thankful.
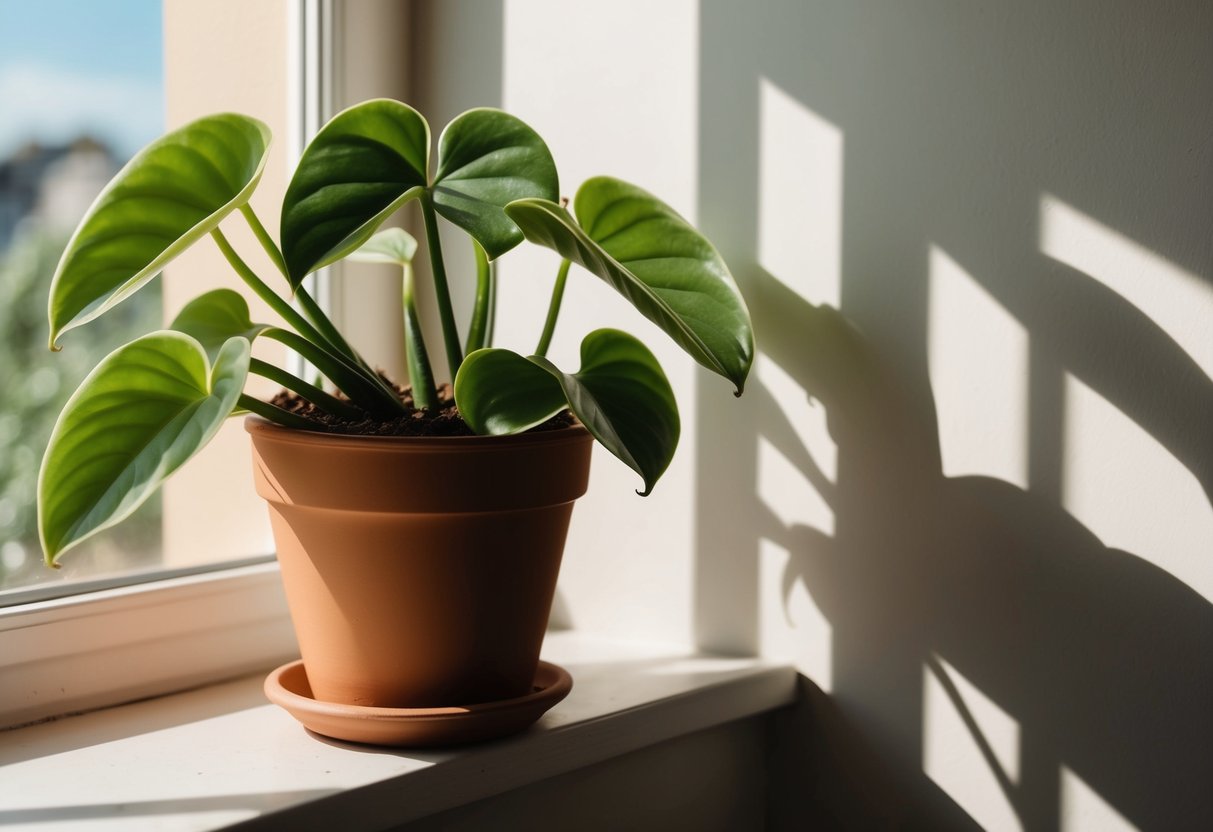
(316, 342)
(277, 303)
(277, 414)
(324, 325)
(549, 326)
(442, 293)
(421, 374)
(484, 291)
(491, 322)
(312, 393)
(263, 237)
(368, 396)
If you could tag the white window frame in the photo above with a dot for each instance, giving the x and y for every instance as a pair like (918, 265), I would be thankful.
(107, 644)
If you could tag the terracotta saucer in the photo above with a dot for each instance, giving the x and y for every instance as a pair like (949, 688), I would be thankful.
(288, 687)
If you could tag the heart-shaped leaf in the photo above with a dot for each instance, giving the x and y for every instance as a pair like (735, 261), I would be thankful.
(147, 408)
(620, 394)
(500, 392)
(391, 245)
(211, 319)
(175, 191)
(364, 164)
(655, 259)
(486, 160)
(374, 157)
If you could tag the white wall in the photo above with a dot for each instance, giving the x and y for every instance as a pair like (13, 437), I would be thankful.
(975, 510)
(629, 564)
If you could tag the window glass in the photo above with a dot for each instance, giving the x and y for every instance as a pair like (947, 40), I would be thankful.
(81, 90)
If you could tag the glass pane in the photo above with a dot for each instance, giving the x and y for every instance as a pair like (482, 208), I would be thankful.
(81, 90)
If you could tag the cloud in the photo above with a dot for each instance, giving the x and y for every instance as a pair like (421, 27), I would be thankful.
(54, 104)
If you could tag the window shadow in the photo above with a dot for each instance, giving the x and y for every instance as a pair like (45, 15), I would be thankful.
(955, 120)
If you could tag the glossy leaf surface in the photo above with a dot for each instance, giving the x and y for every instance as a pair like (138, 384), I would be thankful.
(620, 394)
(500, 392)
(147, 408)
(364, 164)
(374, 157)
(655, 259)
(172, 193)
(211, 319)
(486, 160)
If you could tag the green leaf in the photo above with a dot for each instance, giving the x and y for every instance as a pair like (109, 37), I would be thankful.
(364, 164)
(211, 319)
(620, 394)
(486, 160)
(500, 392)
(173, 192)
(655, 259)
(147, 408)
(391, 245)
(374, 157)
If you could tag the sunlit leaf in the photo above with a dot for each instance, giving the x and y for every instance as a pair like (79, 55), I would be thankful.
(147, 408)
(655, 259)
(374, 157)
(175, 191)
(211, 319)
(486, 160)
(620, 394)
(364, 164)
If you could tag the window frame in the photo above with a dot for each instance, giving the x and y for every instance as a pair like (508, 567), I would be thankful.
(65, 650)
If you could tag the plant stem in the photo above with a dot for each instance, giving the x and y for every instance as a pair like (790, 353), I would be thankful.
(549, 326)
(317, 316)
(278, 304)
(484, 292)
(491, 317)
(313, 394)
(276, 414)
(263, 237)
(368, 396)
(442, 293)
(346, 370)
(421, 374)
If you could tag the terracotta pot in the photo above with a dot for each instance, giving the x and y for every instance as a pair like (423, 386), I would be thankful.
(419, 571)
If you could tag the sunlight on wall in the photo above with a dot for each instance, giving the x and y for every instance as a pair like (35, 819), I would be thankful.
(628, 569)
(978, 358)
(782, 484)
(799, 197)
(1130, 491)
(1177, 300)
(792, 628)
(952, 757)
(1083, 810)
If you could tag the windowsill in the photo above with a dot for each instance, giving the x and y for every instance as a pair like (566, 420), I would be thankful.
(221, 755)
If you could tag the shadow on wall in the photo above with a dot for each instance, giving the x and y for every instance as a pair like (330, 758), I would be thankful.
(956, 120)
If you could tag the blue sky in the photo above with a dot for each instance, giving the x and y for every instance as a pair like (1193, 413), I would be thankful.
(70, 66)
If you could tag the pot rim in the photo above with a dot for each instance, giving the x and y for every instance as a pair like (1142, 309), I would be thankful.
(255, 424)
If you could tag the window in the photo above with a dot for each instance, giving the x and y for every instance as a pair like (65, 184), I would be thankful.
(75, 109)
(156, 626)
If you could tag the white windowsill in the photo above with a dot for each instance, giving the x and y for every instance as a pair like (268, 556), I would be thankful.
(221, 755)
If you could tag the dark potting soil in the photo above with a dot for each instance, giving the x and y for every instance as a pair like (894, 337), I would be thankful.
(443, 420)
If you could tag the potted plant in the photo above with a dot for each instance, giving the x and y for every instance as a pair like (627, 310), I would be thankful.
(419, 569)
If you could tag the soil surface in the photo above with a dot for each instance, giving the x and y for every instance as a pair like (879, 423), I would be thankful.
(443, 420)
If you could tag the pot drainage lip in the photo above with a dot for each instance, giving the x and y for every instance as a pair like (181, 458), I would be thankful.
(416, 727)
